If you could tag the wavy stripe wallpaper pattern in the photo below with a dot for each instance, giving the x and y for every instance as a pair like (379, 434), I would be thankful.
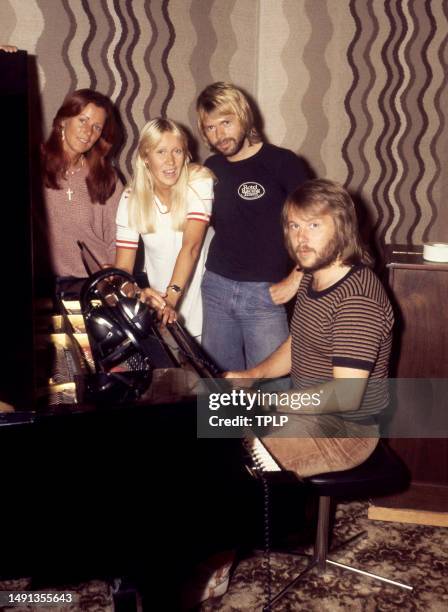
(358, 87)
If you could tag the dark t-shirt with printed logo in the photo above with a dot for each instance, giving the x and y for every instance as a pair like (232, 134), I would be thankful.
(249, 196)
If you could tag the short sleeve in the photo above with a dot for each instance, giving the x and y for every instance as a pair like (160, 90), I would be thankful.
(127, 238)
(200, 200)
(360, 327)
(292, 171)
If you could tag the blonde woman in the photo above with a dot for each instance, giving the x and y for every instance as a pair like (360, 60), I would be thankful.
(168, 204)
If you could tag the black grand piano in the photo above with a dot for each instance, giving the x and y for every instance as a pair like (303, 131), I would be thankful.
(100, 476)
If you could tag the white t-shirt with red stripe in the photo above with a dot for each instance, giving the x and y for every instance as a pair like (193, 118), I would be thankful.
(162, 247)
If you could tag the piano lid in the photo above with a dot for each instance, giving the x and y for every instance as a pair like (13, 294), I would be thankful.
(16, 324)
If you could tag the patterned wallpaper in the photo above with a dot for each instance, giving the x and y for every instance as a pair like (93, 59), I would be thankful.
(357, 87)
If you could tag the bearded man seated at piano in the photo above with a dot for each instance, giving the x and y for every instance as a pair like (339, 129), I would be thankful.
(340, 340)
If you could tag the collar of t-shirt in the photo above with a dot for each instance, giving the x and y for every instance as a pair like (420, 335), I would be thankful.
(314, 294)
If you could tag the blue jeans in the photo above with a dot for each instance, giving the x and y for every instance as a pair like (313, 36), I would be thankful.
(241, 324)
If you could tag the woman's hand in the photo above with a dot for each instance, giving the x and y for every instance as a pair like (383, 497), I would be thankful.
(8, 48)
(168, 313)
(153, 298)
(165, 311)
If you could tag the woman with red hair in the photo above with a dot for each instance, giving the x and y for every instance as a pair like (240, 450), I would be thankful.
(80, 184)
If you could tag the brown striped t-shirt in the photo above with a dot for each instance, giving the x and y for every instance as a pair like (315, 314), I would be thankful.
(348, 324)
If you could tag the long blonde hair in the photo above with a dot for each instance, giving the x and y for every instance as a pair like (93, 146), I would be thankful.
(141, 206)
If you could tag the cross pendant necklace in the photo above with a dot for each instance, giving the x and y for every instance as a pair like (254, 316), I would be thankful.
(69, 173)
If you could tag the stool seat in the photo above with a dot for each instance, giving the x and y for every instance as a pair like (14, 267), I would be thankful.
(380, 474)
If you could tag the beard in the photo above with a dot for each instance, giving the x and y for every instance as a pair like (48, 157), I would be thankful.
(232, 146)
(324, 258)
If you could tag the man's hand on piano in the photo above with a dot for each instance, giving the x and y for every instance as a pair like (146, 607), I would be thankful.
(237, 374)
(249, 390)
(240, 379)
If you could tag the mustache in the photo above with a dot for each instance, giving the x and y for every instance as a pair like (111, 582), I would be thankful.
(305, 248)
(224, 141)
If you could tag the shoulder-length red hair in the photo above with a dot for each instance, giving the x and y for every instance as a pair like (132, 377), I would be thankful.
(102, 178)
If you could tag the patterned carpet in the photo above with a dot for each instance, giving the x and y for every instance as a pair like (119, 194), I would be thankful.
(413, 554)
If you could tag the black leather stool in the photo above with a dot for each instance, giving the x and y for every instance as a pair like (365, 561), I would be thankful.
(380, 474)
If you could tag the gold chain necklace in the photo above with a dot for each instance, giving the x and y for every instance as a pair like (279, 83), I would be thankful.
(69, 173)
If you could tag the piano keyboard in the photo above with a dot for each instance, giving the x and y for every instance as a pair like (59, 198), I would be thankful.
(261, 456)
